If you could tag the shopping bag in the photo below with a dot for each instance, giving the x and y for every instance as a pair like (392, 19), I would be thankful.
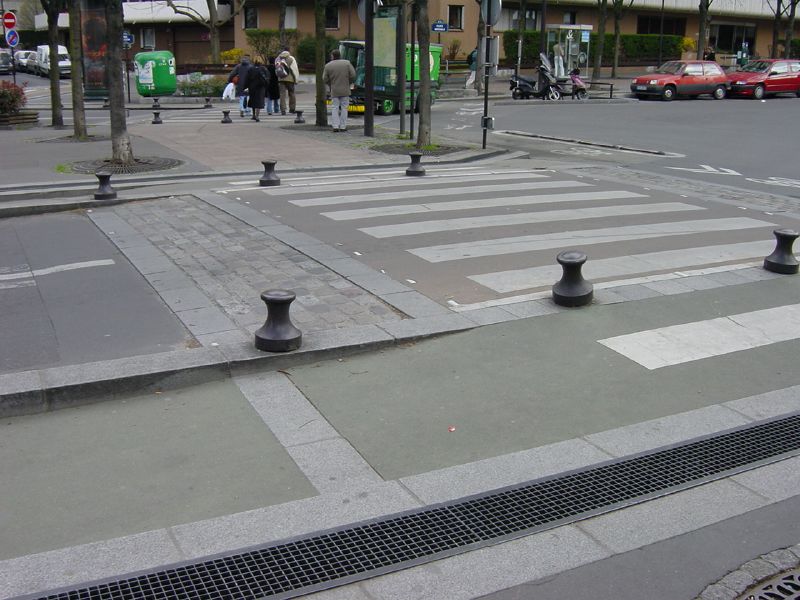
(229, 92)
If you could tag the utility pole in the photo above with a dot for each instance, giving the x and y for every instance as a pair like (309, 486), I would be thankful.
(369, 68)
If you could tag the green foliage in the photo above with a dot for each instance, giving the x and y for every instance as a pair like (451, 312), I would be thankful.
(795, 47)
(453, 48)
(530, 47)
(267, 42)
(307, 49)
(232, 56)
(12, 98)
(198, 85)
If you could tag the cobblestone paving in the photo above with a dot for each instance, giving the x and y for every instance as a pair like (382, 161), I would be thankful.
(232, 263)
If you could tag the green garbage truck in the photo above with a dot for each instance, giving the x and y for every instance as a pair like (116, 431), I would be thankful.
(155, 73)
(385, 91)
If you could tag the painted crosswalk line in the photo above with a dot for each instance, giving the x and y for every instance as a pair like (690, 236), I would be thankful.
(678, 344)
(497, 201)
(420, 227)
(521, 279)
(606, 235)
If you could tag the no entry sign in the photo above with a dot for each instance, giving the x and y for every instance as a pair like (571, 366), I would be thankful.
(9, 20)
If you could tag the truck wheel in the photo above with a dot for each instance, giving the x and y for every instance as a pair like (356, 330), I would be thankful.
(386, 107)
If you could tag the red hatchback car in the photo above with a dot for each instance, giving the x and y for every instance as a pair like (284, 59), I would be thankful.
(682, 78)
(763, 77)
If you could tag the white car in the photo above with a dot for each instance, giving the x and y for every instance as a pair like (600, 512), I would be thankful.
(21, 59)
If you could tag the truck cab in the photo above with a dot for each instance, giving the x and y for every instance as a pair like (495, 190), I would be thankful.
(44, 64)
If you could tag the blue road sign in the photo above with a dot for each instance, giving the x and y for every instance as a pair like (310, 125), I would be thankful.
(439, 26)
(12, 38)
(127, 38)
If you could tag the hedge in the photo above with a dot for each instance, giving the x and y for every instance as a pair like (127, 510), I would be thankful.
(634, 48)
(795, 47)
(307, 50)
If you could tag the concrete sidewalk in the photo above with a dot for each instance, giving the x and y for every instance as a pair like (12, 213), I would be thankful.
(217, 447)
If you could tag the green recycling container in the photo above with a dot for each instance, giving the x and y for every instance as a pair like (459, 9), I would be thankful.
(155, 73)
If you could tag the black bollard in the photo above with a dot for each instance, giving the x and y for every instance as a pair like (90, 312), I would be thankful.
(208, 103)
(106, 104)
(416, 168)
(278, 334)
(157, 118)
(269, 177)
(156, 105)
(299, 116)
(572, 289)
(782, 259)
(104, 190)
(226, 117)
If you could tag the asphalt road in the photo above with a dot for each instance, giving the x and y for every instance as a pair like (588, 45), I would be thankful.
(743, 143)
(69, 296)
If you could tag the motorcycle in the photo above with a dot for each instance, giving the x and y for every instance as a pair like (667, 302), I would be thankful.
(546, 86)
(578, 87)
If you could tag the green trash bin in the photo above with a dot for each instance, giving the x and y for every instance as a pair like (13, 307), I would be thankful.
(155, 73)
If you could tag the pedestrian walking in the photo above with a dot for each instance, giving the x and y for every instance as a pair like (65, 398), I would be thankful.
(472, 63)
(558, 60)
(257, 82)
(273, 88)
(339, 75)
(288, 75)
(239, 77)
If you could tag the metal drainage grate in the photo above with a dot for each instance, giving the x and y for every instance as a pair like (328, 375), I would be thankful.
(140, 164)
(299, 566)
(785, 586)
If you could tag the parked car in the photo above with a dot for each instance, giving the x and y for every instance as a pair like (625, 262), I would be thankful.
(682, 78)
(32, 63)
(43, 61)
(5, 62)
(21, 59)
(764, 77)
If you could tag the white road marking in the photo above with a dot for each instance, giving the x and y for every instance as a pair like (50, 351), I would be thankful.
(420, 227)
(529, 243)
(667, 346)
(521, 279)
(56, 269)
(707, 169)
(410, 209)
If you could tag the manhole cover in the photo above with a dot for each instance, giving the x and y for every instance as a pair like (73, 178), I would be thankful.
(785, 586)
(140, 165)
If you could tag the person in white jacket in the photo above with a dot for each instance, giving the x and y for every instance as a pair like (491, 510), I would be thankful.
(288, 76)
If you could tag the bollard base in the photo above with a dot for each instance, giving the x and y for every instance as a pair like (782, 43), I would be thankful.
(571, 299)
(267, 344)
(781, 267)
(265, 182)
(105, 196)
(419, 172)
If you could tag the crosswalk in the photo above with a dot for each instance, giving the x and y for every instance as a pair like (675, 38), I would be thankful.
(480, 235)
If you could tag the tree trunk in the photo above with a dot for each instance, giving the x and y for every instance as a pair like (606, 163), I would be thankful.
(76, 52)
(615, 64)
(282, 24)
(787, 50)
(602, 18)
(52, 8)
(701, 34)
(213, 30)
(121, 149)
(424, 37)
(319, 56)
(776, 28)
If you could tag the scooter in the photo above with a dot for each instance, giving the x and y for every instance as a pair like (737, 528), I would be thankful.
(546, 87)
(578, 87)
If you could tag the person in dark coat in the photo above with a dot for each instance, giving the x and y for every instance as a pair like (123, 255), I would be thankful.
(273, 90)
(257, 80)
(239, 75)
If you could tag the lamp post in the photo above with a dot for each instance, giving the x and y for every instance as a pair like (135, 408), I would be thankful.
(661, 35)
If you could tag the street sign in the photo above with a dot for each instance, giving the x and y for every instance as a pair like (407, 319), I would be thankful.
(127, 38)
(9, 20)
(12, 38)
(496, 8)
(439, 26)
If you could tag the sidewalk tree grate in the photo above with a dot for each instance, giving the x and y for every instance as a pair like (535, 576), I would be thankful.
(785, 586)
(140, 165)
(298, 566)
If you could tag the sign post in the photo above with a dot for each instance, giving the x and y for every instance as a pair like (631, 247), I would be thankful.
(439, 27)
(127, 41)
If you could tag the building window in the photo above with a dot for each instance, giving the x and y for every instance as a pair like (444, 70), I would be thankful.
(652, 24)
(455, 16)
(530, 20)
(570, 18)
(332, 17)
(148, 38)
(291, 17)
(250, 20)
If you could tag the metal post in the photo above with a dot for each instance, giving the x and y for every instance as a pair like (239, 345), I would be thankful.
(543, 30)
(661, 35)
(413, 55)
(487, 67)
(401, 65)
(369, 68)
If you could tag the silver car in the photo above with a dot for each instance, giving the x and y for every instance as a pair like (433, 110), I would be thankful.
(21, 58)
